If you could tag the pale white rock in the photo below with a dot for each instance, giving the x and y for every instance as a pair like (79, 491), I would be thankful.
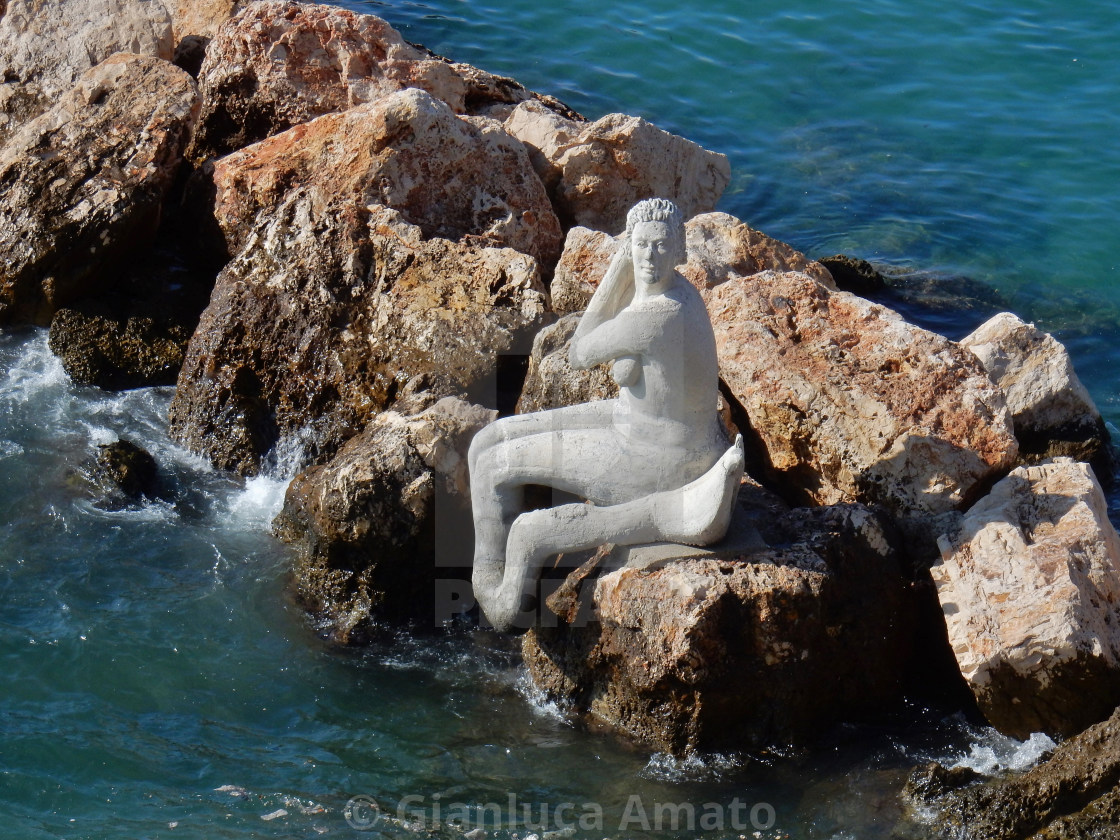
(1046, 398)
(45, 45)
(597, 171)
(1030, 587)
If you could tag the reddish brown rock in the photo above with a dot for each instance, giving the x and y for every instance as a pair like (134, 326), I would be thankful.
(850, 402)
(200, 18)
(597, 171)
(82, 185)
(1030, 586)
(457, 178)
(720, 247)
(719, 653)
(365, 523)
(277, 64)
(328, 312)
(46, 46)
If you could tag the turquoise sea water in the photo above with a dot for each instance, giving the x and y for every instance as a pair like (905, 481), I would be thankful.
(157, 683)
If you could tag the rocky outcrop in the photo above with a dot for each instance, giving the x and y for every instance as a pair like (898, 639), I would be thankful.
(552, 382)
(597, 171)
(1073, 795)
(330, 309)
(83, 184)
(1050, 407)
(847, 402)
(850, 402)
(47, 45)
(732, 652)
(334, 301)
(277, 64)
(365, 523)
(98, 347)
(200, 18)
(1030, 588)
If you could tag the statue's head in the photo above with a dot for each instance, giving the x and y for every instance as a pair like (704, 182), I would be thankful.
(660, 210)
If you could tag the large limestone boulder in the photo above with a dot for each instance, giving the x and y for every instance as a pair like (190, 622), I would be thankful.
(597, 171)
(46, 46)
(1030, 588)
(367, 524)
(82, 185)
(845, 400)
(736, 649)
(458, 178)
(1072, 794)
(200, 18)
(1050, 407)
(852, 403)
(277, 64)
(390, 242)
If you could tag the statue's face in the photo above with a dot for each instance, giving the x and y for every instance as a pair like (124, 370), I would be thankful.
(651, 247)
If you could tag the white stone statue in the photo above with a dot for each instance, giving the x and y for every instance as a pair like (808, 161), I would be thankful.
(654, 464)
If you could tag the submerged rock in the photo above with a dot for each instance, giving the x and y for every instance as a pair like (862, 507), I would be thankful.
(365, 523)
(597, 171)
(82, 185)
(47, 45)
(1050, 407)
(1030, 588)
(278, 64)
(854, 275)
(736, 651)
(1073, 794)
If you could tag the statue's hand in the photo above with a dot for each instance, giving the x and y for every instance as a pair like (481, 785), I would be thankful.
(626, 371)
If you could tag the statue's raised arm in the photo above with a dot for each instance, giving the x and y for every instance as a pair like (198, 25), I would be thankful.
(654, 464)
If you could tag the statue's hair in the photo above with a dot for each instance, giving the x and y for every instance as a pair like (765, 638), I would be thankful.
(660, 210)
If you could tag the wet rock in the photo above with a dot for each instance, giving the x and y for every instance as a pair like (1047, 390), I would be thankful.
(1074, 794)
(125, 468)
(366, 523)
(278, 64)
(852, 403)
(598, 171)
(1030, 588)
(99, 347)
(854, 275)
(47, 45)
(326, 315)
(82, 185)
(552, 382)
(1050, 407)
(933, 780)
(733, 652)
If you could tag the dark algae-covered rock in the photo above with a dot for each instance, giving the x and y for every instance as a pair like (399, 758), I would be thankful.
(1073, 794)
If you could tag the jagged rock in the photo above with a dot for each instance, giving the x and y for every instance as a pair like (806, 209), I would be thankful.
(46, 45)
(365, 523)
(277, 64)
(733, 652)
(1072, 795)
(720, 247)
(130, 469)
(1030, 588)
(552, 382)
(852, 403)
(598, 171)
(200, 18)
(846, 401)
(99, 347)
(328, 312)
(1050, 407)
(854, 275)
(462, 179)
(82, 185)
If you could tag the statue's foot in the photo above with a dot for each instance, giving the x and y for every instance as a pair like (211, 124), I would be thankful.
(700, 512)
